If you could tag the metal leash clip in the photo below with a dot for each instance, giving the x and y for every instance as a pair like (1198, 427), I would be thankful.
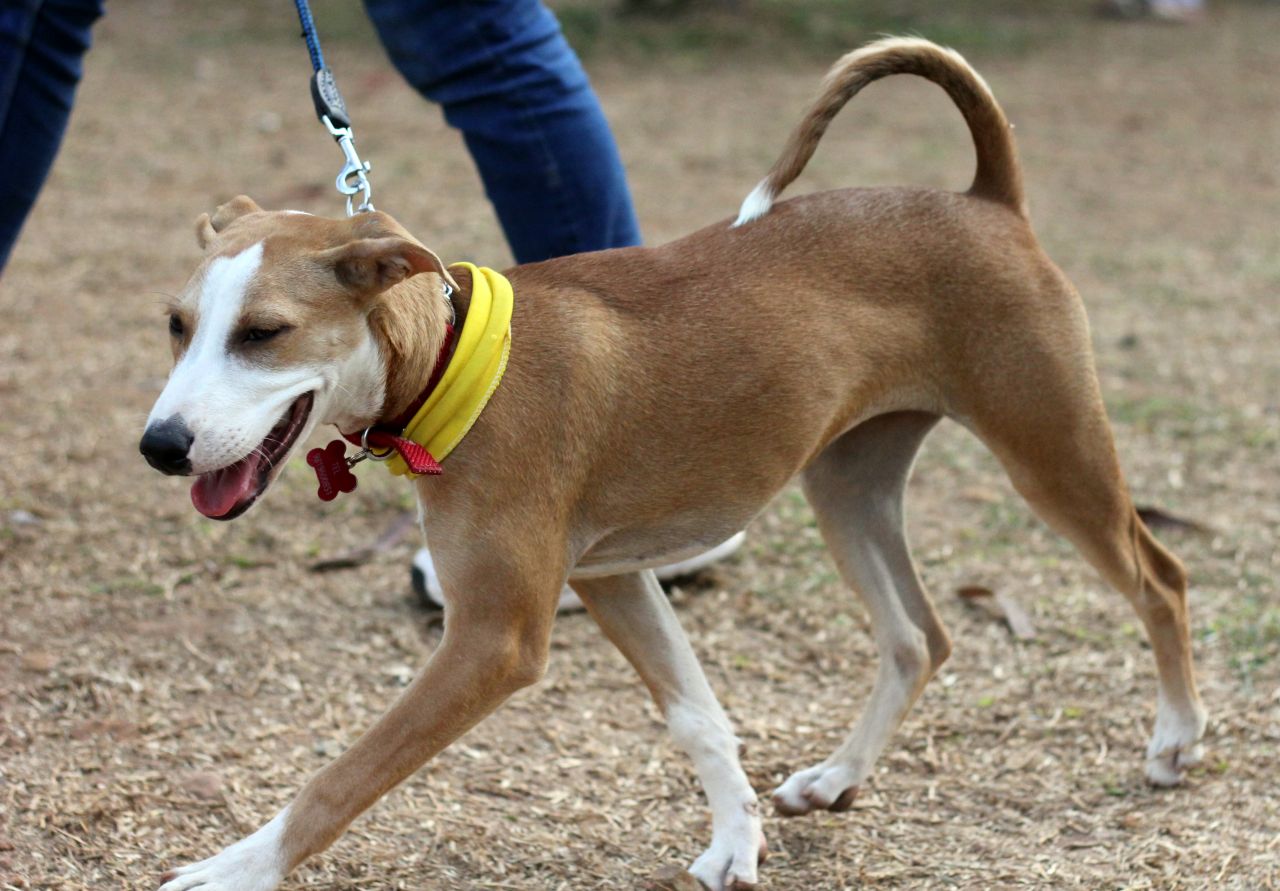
(353, 178)
(330, 108)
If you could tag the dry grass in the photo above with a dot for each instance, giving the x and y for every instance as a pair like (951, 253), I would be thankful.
(166, 683)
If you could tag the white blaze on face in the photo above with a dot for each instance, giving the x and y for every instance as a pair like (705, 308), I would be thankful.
(228, 404)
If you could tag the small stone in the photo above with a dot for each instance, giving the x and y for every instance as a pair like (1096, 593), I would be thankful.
(203, 785)
(39, 661)
(328, 748)
(267, 122)
(401, 674)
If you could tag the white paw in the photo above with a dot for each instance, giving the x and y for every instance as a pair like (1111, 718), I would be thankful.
(731, 862)
(831, 787)
(1175, 745)
(255, 863)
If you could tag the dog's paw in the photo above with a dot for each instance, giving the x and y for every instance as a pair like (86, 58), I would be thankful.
(1169, 768)
(255, 863)
(731, 863)
(1175, 746)
(221, 873)
(825, 787)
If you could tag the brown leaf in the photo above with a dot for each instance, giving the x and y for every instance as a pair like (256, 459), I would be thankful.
(390, 537)
(111, 729)
(1018, 620)
(673, 878)
(1155, 518)
(1001, 606)
(982, 495)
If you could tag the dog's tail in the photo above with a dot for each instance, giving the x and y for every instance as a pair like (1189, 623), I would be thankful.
(998, 177)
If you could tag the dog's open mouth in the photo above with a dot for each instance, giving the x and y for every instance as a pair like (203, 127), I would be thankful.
(227, 493)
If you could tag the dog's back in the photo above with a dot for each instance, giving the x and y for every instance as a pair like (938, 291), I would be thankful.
(816, 312)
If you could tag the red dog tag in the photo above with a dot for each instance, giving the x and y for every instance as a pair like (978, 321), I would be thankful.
(332, 471)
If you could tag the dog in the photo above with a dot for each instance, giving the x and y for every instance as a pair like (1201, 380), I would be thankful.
(651, 403)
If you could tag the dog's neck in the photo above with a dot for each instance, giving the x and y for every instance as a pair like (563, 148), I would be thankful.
(409, 325)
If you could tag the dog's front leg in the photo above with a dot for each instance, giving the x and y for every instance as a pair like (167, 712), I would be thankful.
(634, 613)
(495, 642)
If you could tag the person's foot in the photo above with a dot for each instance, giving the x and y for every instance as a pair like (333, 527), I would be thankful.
(1180, 12)
(426, 584)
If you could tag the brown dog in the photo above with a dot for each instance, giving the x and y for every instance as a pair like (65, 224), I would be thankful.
(654, 401)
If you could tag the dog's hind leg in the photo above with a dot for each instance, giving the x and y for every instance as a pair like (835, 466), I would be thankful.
(633, 612)
(1049, 429)
(856, 488)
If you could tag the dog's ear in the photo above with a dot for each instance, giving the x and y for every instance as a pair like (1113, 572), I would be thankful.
(205, 232)
(209, 226)
(233, 210)
(368, 266)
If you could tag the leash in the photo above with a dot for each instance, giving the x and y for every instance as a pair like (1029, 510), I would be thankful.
(353, 179)
(408, 442)
(332, 466)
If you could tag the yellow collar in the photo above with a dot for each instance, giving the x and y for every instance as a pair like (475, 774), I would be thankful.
(473, 373)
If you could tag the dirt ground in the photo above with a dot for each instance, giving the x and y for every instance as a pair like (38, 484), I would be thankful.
(166, 683)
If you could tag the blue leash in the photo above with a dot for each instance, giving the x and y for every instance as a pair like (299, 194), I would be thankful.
(332, 111)
(309, 34)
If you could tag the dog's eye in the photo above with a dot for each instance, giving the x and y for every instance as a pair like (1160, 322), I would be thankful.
(175, 325)
(258, 335)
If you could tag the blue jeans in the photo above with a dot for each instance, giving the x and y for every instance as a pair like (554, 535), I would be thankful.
(41, 45)
(506, 78)
(501, 68)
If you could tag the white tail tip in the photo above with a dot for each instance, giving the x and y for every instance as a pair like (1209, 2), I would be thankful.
(757, 204)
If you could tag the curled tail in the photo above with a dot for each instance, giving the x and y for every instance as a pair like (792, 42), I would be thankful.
(998, 176)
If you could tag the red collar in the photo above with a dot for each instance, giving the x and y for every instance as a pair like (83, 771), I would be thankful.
(398, 423)
(385, 437)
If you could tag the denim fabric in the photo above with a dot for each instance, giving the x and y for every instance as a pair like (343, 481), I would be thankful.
(506, 77)
(500, 68)
(41, 46)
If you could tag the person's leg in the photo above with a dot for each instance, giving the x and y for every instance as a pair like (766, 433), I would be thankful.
(509, 81)
(506, 78)
(42, 43)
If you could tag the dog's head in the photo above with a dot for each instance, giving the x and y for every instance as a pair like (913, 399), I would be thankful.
(279, 329)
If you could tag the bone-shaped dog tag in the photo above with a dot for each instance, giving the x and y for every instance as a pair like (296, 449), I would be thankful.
(332, 472)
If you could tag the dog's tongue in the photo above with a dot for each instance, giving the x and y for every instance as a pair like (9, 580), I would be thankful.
(217, 493)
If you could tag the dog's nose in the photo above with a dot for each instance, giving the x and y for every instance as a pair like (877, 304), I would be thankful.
(165, 445)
